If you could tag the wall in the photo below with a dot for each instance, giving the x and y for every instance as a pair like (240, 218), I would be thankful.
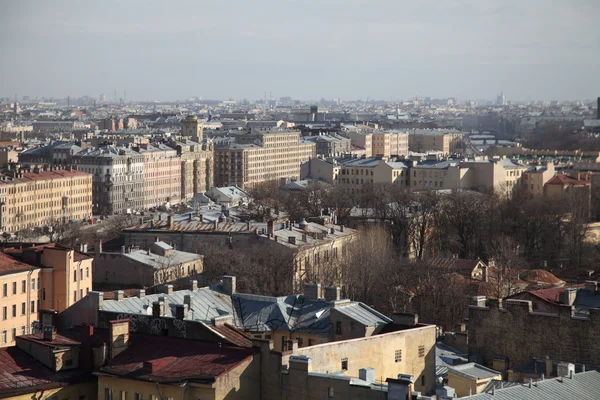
(22, 322)
(520, 334)
(379, 352)
(81, 391)
(462, 384)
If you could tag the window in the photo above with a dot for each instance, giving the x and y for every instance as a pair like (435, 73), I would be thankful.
(4, 313)
(32, 306)
(33, 284)
(107, 394)
(74, 296)
(138, 396)
(398, 355)
(23, 331)
(83, 397)
(421, 351)
(14, 333)
(338, 327)
(44, 294)
(5, 290)
(330, 393)
(74, 275)
(283, 343)
(87, 272)
(14, 287)
(23, 308)
(39, 284)
(14, 310)
(422, 380)
(123, 395)
(3, 337)
(344, 364)
(23, 286)
(300, 342)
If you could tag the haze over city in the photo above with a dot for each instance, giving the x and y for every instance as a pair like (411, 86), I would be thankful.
(159, 50)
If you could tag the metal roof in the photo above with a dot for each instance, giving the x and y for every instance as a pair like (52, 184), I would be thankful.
(474, 370)
(583, 386)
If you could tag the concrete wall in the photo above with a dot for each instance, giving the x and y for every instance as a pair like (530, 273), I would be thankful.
(520, 334)
(379, 352)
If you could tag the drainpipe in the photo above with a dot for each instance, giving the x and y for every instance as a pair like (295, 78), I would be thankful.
(28, 305)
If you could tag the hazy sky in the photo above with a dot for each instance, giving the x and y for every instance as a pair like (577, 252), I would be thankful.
(349, 49)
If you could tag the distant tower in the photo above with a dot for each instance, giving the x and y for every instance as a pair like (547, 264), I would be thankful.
(501, 99)
(191, 127)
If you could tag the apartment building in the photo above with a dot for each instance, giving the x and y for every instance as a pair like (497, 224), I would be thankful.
(66, 274)
(330, 145)
(480, 174)
(197, 165)
(162, 175)
(260, 156)
(20, 301)
(118, 178)
(380, 143)
(534, 179)
(35, 198)
(354, 173)
(448, 142)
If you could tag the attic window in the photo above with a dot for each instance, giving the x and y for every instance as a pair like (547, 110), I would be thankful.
(344, 364)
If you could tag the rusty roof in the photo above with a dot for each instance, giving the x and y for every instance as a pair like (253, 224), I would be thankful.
(58, 341)
(193, 226)
(22, 374)
(168, 359)
(9, 265)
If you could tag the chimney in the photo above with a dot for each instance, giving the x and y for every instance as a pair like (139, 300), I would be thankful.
(331, 231)
(292, 240)
(122, 249)
(300, 364)
(190, 217)
(119, 336)
(98, 247)
(187, 299)
(157, 307)
(119, 295)
(222, 320)
(565, 369)
(479, 301)
(49, 333)
(86, 355)
(367, 374)
(407, 319)
(484, 273)
(193, 285)
(332, 293)
(567, 296)
(170, 221)
(140, 293)
(85, 248)
(548, 366)
(201, 217)
(270, 228)
(312, 291)
(229, 284)
(181, 311)
(304, 237)
(342, 228)
(167, 289)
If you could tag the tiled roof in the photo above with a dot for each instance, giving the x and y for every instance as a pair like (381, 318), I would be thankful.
(9, 265)
(21, 374)
(175, 359)
(583, 386)
(566, 179)
(540, 276)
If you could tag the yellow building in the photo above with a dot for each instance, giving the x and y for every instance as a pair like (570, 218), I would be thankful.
(40, 197)
(471, 378)
(39, 277)
(380, 143)
(20, 298)
(261, 156)
(534, 179)
(447, 142)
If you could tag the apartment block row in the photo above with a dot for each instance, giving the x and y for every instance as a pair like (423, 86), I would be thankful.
(480, 173)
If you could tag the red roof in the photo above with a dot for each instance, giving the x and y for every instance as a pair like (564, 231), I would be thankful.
(59, 340)
(21, 374)
(232, 335)
(550, 295)
(566, 179)
(9, 265)
(174, 359)
(541, 276)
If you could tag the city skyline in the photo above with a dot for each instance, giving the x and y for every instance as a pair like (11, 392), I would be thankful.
(460, 48)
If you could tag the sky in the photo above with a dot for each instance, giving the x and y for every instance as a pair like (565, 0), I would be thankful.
(308, 49)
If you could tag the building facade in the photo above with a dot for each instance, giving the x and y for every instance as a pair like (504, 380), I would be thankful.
(261, 156)
(118, 178)
(445, 141)
(197, 165)
(162, 175)
(40, 197)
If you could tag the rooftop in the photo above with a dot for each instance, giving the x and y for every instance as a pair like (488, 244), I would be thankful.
(474, 371)
(167, 359)
(9, 265)
(582, 386)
